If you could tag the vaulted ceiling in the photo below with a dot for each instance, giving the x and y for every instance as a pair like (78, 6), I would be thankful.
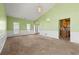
(27, 11)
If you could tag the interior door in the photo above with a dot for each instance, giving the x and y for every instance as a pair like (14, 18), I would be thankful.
(64, 29)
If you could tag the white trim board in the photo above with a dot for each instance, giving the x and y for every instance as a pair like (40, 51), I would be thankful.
(74, 36)
(3, 38)
(22, 32)
(53, 34)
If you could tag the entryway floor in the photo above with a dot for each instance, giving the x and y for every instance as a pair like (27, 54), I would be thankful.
(38, 45)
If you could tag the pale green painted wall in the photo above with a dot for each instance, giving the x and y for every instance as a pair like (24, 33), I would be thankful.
(21, 21)
(2, 18)
(2, 11)
(2, 26)
(60, 11)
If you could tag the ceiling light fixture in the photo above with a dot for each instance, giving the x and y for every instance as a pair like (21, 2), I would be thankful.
(39, 8)
(48, 19)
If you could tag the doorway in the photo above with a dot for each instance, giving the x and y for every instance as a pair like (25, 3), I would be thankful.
(36, 29)
(64, 29)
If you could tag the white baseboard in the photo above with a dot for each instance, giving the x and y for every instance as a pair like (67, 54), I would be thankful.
(74, 36)
(3, 38)
(22, 32)
(53, 34)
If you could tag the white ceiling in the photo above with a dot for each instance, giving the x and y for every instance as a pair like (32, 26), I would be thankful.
(26, 10)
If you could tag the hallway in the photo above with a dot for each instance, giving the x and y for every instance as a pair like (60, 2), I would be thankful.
(38, 45)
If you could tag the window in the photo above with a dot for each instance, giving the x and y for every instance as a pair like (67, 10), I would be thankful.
(28, 27)
(16, 27)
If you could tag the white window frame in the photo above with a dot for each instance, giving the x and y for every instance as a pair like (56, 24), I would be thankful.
(28, 27)
(16, 27)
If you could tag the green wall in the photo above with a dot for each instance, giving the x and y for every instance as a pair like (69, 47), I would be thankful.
(2, 26)
(2, 18)
(2, 11)
(60, 11)
(21, 21)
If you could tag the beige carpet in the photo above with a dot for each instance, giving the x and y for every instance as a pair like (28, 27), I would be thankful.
(38, 45)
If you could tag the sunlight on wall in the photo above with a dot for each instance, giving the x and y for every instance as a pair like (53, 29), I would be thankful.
(2, 25)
